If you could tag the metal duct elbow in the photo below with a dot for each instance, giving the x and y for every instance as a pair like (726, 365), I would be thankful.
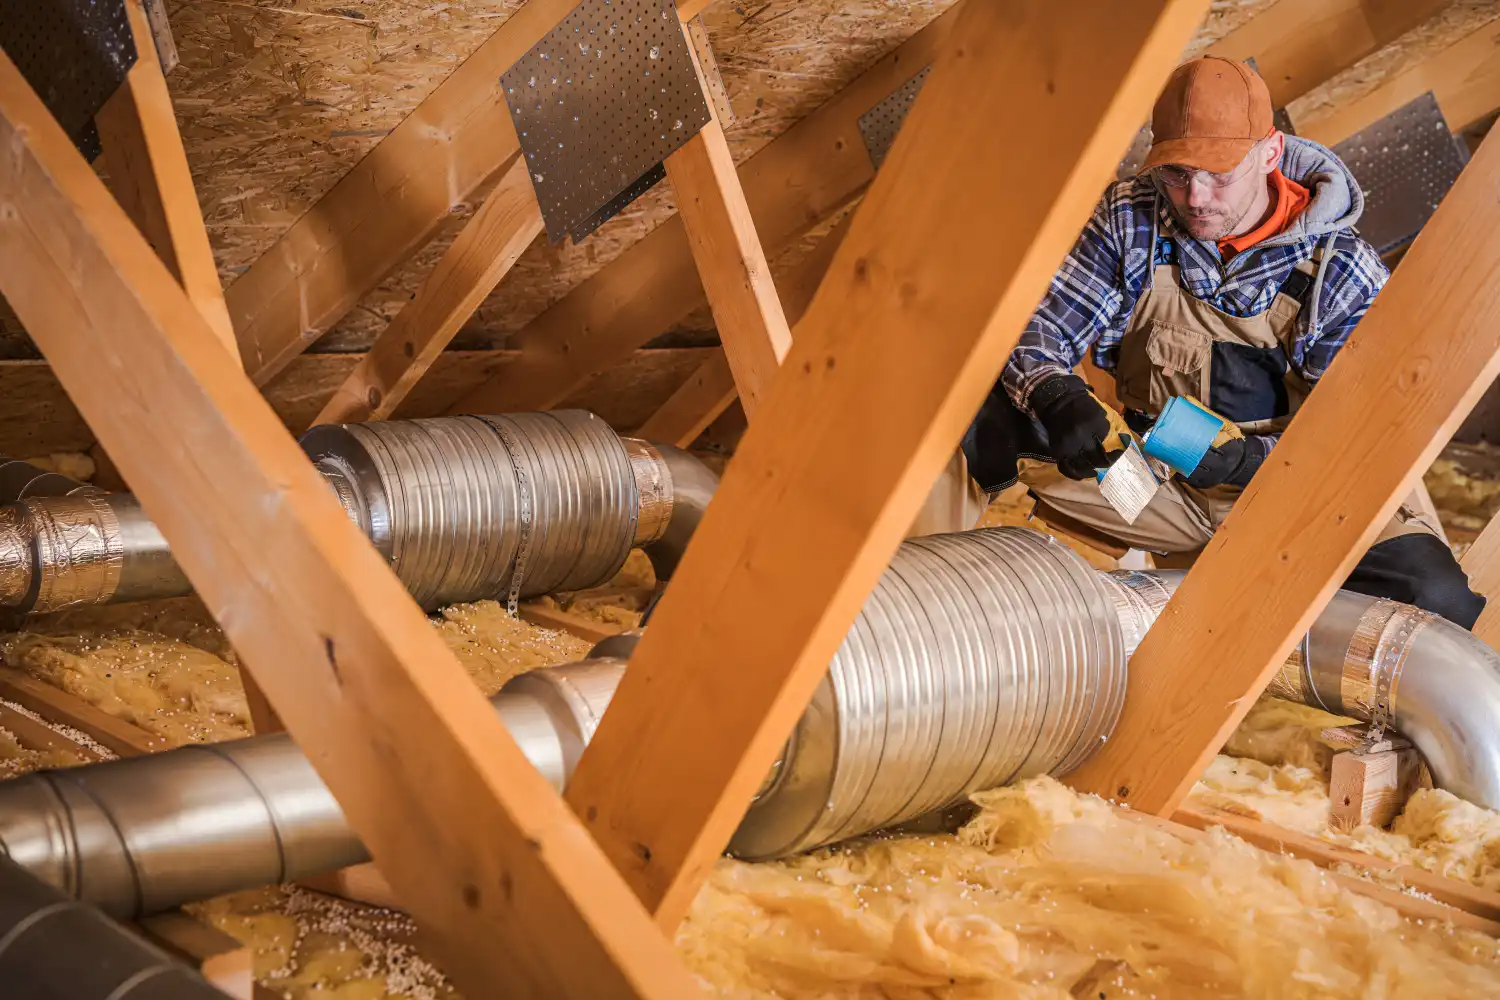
(53, 946)
(1385, 663)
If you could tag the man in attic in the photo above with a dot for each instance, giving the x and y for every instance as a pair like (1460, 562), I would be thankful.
(1228, 270)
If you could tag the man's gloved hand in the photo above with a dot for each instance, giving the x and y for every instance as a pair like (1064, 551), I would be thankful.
(1231, 463)
(1083, 433)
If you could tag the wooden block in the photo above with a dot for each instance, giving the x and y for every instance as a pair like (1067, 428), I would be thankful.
(566, 621)
(51, 703)
(223, 961)
(1372, 788)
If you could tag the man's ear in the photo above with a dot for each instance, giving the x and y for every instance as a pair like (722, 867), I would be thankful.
(1271, 150)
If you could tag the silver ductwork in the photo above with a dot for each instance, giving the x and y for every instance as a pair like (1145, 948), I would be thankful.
(979, 659)
(464, 508)
(1391, 665)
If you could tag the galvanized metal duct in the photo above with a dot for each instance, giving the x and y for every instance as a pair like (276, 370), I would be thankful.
(979, 659)
(1391, 665)
(463, 507)
(53, 946)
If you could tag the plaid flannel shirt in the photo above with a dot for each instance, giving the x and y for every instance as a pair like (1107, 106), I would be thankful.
(1091, 298)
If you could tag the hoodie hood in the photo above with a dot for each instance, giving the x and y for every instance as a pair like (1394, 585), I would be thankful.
(1337, 201)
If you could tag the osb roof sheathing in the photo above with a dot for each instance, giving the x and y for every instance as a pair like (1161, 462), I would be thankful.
(278, 98)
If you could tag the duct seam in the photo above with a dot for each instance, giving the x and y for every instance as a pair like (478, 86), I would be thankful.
(524, 513)
(653, 483)
(78, 539)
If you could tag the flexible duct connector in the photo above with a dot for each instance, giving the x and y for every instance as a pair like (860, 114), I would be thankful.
(978, 659)
(53, 946)
(464, 508)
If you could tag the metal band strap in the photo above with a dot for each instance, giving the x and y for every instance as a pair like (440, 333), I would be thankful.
(523, 494)
(1374, 660)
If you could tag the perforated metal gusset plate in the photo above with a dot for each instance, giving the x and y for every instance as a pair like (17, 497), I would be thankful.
(598, 104)
(1134, 156)
(1405, 163)
(74, 53)
(881, 123)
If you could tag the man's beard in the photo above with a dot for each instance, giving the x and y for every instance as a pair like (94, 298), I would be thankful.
(1230, 221)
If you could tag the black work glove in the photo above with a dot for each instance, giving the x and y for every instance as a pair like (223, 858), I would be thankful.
(1232, 463)
(1078, 426)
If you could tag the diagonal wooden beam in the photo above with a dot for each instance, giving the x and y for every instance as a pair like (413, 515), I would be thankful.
(473, 839)
(814, 169)
(1298, 45)
(731, 263)
(1420, 358)
(1017, 130)
(1464, 78)
(148, 173)
(443, 155)
(484, 252)
(710, 390)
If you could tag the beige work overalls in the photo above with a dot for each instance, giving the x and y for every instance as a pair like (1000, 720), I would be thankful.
(1166, 351)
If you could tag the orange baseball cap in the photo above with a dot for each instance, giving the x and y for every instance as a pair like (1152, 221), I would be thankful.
(1209, 115)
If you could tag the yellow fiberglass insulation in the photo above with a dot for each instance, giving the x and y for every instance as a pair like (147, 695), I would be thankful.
(1049, 894)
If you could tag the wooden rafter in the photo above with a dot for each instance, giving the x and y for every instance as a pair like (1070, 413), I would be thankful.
(857, 425)
(710, 390)
(792, 185)
(484, 252)
(443, 155)
(1464, 78)
(1299, 44)
(731, 263)
(148, 173)
(1423, 354)
(474, 840)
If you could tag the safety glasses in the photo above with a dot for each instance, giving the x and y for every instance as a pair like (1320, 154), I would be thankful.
(1172, 176)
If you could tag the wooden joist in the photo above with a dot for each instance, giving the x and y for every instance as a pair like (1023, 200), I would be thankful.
(148, 173)
(731, 263)
(565, 621)
(484, 252)
(472, 837)
(1192, 826)
(34, 735)
(1464, 78)
(1267, 836)
(51, 703)
(1420, 358)
(857, 425)
(219, 958)
(1299, 44)
(443, 155)
(798, 180)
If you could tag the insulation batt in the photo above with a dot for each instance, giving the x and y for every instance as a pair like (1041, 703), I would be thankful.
(1043, 894)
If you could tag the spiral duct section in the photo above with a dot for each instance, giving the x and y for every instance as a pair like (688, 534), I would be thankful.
(979, 659)
(464, 508)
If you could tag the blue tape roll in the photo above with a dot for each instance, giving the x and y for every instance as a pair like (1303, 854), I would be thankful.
(1182, 434)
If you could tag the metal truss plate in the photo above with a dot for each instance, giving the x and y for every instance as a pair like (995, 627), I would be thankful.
(1130, 163)
(881, 123)
(74, 53)
(1405, 163)
(598, 104)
